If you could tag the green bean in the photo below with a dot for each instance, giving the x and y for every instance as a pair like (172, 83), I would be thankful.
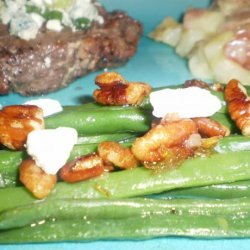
(62, 209)
(83, 149)
(93, 119)
(10, 160)
(238, 189)
(226, 190)
(220, 96)
(9, 167)
(216, 169)
(139, 219)
(118, 137)
(87, 105)
(75, 208)
(114, 209)
(103, 120)
(225, 120)
(233, 143)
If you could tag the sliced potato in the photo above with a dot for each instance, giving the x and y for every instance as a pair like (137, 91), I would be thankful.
(223, 68)
(168, 31)
(207, 21)
(188, 40)
(203, 37)
(210, 62)
(199, 66)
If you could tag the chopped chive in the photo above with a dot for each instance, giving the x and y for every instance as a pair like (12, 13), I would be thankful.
(53, 14)
(32, 9)
(81, 23)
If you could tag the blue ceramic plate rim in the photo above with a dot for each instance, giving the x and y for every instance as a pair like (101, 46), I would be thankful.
(158, 65)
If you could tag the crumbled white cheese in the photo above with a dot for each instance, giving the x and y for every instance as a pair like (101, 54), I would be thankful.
(54, 25)
(85, 9)
(37, 18)
(39, 3)
(49, 106)
(50, 148)
(184, 102)
(48, 2)
(26, 24)
(11, 8)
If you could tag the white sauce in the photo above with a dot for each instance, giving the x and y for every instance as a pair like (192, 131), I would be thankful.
(50, 148)
(49, 106)
(185, 103)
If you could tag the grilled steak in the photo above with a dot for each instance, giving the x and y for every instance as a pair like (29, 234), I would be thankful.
(54, 59)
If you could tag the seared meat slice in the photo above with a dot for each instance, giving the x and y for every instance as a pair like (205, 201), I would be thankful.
(54, 59)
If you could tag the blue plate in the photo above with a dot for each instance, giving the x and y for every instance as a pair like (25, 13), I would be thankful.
(157, 65)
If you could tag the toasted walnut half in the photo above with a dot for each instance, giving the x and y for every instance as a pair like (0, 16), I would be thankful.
(115, 90)
(39, 183)
(165, 141)
(16, 122)
(208, 127)
(114, 153)
(238, 105)
(82, 168)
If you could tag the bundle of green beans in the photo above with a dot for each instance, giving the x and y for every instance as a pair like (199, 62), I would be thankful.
(138, 218)
(94, 123)
(114, 206)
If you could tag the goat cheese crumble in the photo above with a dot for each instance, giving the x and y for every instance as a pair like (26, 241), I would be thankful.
(185, 102)
(50, 148)
(49, 106)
